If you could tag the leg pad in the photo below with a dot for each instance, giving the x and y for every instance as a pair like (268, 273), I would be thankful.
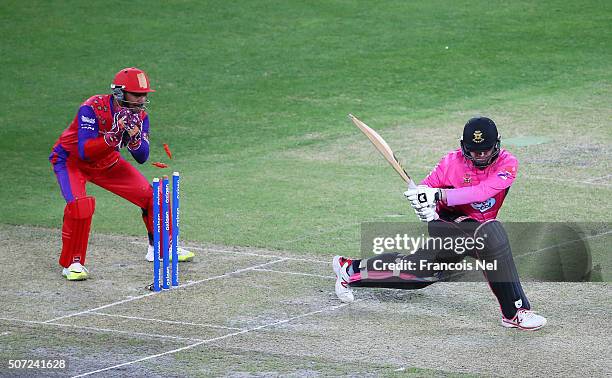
(75, 230)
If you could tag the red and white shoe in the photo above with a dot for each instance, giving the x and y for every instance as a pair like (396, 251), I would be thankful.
(525, 319)
(343, 290)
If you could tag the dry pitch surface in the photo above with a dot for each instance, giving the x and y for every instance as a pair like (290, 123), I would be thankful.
(246, 312)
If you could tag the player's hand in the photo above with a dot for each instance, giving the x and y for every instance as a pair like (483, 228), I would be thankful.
(133, 124)
(114, 137)
(423, 196)
(135, 140)
(133, 127)
(427, 214)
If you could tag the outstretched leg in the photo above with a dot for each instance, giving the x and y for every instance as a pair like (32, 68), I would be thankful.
(411, 271)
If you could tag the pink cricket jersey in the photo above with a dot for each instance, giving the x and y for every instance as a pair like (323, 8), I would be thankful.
(477, 193)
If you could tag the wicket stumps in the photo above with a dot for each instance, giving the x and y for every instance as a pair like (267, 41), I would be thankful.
(176, 194)
(163, 225)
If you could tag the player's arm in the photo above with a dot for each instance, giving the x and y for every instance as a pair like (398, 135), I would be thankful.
(138, 144)
(497, 181)
(91, 145)
(425, 196)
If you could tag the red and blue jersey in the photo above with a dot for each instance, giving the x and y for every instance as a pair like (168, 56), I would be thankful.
(83, 139)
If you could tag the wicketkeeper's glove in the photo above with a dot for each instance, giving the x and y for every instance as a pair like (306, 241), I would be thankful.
(125, 130)
(114, 137)
(133, 128)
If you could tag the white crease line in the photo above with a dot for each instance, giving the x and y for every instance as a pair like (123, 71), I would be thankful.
(153, 293)
(560, 244)
(167, 321)
(208, 341)
(592, 180)
(295, 273)
(129, 333)
(232, 273)
(101, 307)
(218, 250)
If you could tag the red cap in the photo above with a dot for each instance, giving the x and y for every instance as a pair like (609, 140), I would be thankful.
(132, 80)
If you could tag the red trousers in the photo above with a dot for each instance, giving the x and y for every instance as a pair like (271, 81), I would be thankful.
(122, 179)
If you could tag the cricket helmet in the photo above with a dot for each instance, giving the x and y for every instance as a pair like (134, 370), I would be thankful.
(132, 80)
(480, 134)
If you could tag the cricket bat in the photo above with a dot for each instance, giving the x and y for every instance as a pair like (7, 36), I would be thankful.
(384, 149)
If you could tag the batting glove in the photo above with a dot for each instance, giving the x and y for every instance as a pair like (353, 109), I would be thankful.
(423, 196)
(427, 214)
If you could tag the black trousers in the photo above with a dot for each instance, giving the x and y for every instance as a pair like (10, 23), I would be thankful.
(422, 268)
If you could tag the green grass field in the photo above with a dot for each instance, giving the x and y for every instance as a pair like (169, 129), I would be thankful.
(253, 96)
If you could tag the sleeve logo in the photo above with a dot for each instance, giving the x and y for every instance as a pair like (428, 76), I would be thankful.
(88, 120)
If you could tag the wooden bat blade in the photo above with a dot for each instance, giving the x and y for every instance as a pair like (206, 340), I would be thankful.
(384, 149)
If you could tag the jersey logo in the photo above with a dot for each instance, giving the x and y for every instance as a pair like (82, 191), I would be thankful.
(485, 205)
(87, 119)
(504, 175)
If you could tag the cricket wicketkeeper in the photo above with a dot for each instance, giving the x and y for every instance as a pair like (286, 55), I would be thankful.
(88, 151)
(459, 198)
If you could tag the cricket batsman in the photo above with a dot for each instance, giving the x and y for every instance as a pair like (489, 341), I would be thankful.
(461, 197)
(88, 151)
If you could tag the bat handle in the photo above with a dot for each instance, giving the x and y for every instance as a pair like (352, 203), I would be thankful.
(411, 185)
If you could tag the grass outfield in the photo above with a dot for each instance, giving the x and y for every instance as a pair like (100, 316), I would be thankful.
(252, 98)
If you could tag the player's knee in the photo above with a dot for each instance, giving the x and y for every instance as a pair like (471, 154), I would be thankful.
(145, 201)
(80, 208)
(147, 192)
(494, 240)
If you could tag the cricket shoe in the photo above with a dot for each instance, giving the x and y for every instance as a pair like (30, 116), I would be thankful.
(525, 319)
(183, 254)
(75, 272)
(343, 290)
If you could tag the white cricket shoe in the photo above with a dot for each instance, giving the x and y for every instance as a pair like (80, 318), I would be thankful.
(183, 254)
(525, 320)
(75, 272)
(343, 290)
